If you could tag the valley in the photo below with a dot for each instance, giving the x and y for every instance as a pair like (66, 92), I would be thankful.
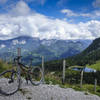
(52, 49)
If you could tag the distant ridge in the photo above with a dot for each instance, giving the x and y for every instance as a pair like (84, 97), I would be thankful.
(89, 56)
(31, 47)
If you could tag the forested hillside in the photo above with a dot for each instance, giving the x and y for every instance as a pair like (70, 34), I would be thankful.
(89, 56)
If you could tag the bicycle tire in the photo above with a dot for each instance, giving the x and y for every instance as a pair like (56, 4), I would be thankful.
(34, 79)
(9, 82)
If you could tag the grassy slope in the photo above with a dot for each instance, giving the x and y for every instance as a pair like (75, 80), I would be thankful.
(53, 78)
(95, 66)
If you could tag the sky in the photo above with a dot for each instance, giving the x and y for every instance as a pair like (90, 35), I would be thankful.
(50, 19)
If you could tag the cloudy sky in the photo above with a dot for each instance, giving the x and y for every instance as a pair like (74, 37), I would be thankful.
(50, 19)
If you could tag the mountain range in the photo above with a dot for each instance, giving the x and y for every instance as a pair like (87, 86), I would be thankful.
(31, 47)
(88, 56)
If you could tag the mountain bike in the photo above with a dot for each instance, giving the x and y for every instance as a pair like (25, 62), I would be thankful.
(10, 80)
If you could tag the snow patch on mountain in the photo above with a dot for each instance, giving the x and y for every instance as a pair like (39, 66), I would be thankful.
(2, 46)
(48, 42)
(15, 42)
(22, 42)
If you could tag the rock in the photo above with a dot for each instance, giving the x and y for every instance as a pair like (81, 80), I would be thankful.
(48, 92)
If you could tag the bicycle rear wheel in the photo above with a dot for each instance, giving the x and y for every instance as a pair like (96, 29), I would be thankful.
(9, 82)
(36, 76)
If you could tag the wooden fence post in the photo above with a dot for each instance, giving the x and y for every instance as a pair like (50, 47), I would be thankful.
(95, 84)
(63, 76)
(43, 69)
(81, 81)
(18, 67)
(19, 51)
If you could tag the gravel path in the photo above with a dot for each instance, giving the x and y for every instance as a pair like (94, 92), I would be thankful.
(48, 92)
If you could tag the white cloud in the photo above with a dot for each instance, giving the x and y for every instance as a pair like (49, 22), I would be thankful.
(70, 13)
(96, 3)
(37, 25)
(21, 8)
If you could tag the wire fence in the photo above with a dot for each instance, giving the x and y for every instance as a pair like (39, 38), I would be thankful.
(70, 76)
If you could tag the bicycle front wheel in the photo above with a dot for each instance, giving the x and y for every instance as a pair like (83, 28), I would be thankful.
(36, 76)
(9, 82)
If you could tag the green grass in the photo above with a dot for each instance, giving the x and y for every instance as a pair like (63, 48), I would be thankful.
(4, 66)
(95, 66)
(55, 78)
(52, 79)
(87, 88)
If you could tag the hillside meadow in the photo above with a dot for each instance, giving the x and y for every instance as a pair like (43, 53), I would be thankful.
(95, 66)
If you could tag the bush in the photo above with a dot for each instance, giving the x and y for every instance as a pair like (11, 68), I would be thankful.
(73, 77)
(4, 66)
(52, 79)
